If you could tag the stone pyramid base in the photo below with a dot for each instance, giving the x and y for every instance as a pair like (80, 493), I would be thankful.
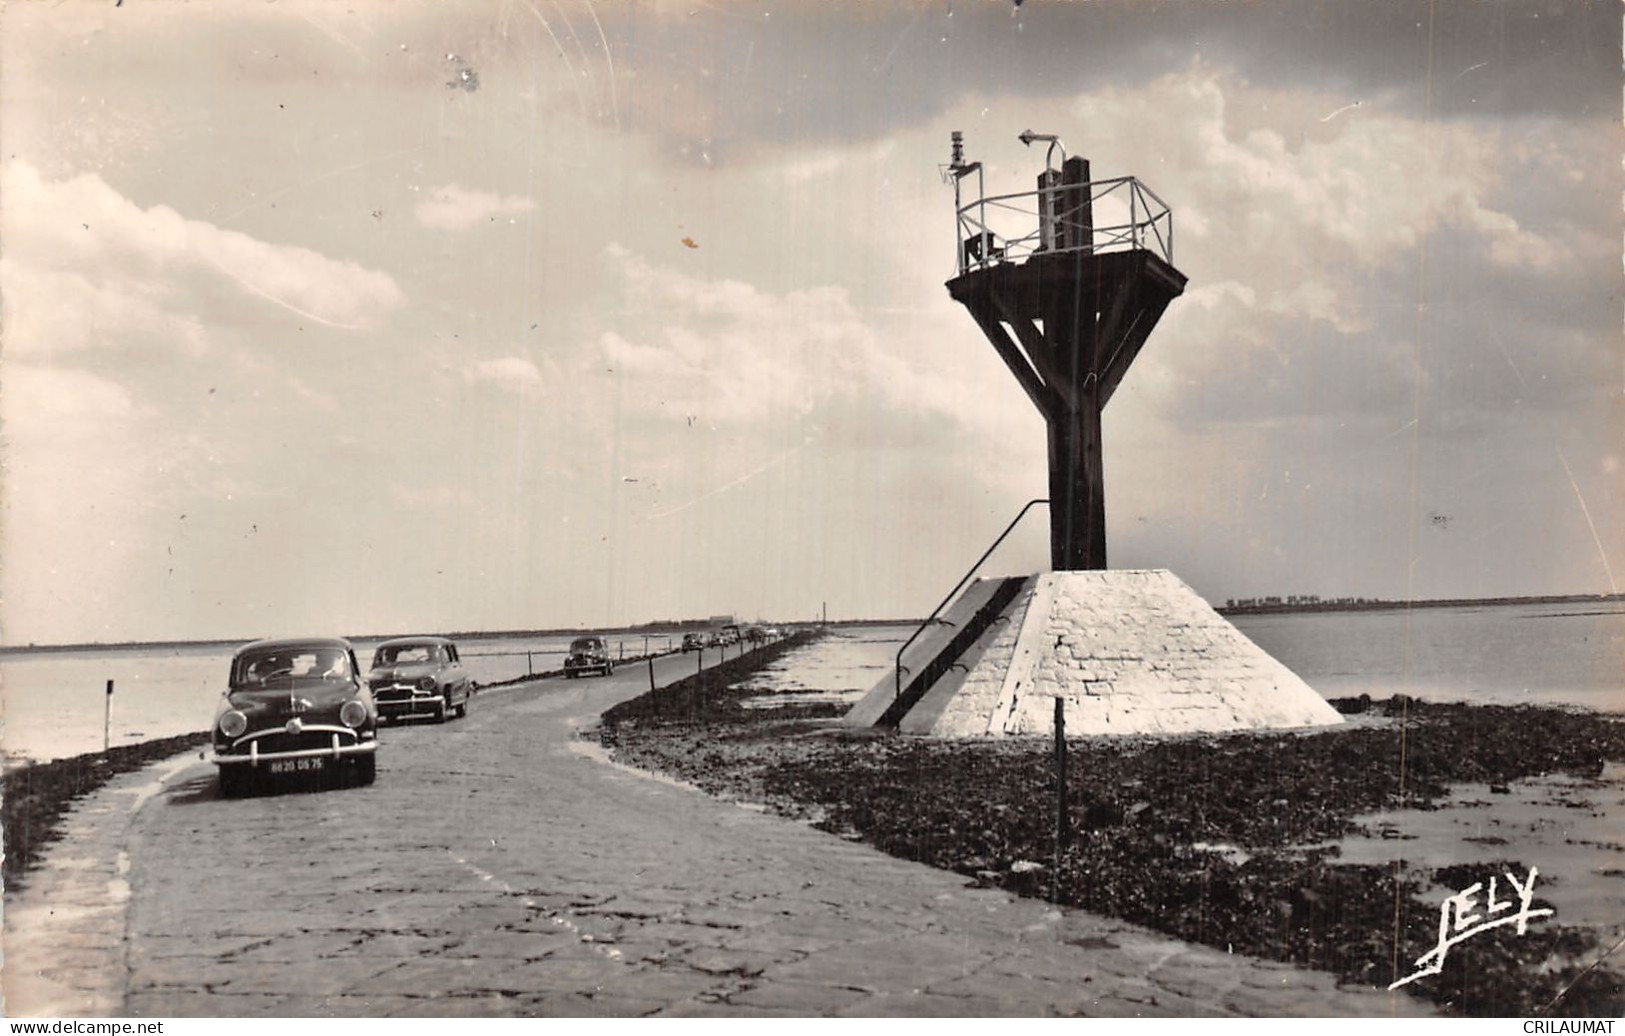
(1130, 652)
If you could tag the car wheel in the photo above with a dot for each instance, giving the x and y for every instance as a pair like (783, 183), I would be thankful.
(444, 711)
(462, 709)
(234, 781)
(608, 670)
(366, 770)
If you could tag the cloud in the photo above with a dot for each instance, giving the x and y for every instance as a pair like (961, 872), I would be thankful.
(93, 252)
(456, 208)
(730, 353)
(510, 373)
(57, 312)
(1307, 216)
(52, 404)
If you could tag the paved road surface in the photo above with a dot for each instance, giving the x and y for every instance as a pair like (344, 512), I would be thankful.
(502, 866)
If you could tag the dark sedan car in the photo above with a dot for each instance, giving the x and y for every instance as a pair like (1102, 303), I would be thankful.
(588, 654)
(294, 707)
(419, 677)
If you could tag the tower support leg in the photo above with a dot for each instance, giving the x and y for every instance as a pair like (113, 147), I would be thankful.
(1077, 488)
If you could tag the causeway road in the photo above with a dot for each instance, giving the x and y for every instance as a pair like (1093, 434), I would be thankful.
(502, 865)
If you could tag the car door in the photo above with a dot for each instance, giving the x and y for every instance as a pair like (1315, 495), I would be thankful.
(456, 676)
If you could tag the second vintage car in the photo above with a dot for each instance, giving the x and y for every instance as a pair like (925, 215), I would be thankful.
(295, 708)
(588, 655)
(419, 677)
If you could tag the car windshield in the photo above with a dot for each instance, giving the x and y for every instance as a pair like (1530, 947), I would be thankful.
(407, 654)
(270, 665)
(587, 644)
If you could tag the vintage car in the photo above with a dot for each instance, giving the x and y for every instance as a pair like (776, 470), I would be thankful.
(419, 677)
(588, 654)
(294, 707)
(693, 641)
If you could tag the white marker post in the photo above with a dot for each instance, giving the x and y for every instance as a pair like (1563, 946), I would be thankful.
(107, 720)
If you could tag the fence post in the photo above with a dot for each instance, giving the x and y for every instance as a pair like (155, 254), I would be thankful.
(529, 665)
(1060, 797)
(107, 720)
(651, 673)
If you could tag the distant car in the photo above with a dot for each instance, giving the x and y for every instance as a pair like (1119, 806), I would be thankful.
(294, 707)
(588, 654)
(419, 677)
(693, 641)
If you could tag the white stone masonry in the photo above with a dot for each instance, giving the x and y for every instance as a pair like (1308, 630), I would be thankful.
(1135, 652)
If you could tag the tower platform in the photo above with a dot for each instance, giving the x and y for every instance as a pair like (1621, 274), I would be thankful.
(1130, 651)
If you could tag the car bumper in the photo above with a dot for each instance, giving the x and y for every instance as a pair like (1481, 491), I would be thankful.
(253, 757)
(410, 709)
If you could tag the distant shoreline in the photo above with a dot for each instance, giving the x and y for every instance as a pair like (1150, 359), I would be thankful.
(1364, 605)
(1263, 607)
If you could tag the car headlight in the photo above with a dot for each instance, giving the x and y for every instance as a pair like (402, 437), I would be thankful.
(426, 683)
(352, 714)
(233, 723)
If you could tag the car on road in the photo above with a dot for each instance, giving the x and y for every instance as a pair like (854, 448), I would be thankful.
(294, 707)
(588, 654)
(419, 677)
(693, 642)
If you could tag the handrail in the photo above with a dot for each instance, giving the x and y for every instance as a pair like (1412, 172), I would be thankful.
(1150, 223)
(929, 619)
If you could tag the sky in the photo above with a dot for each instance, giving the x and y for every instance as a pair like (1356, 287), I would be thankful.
(325, 318)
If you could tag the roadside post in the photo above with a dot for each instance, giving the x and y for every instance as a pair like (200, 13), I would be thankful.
(651, 674)
(1060, 797)
(107, 720)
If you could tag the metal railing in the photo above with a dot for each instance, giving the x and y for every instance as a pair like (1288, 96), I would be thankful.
(1124, 214)
(929, 619)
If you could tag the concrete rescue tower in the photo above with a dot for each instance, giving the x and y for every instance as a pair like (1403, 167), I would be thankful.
(1067, 283)
(1081, 294)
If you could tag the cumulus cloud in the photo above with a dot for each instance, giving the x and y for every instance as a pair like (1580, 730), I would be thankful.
(457, 208)
(53, 404)
(1305, 217)
(90, 242)
(733, 353)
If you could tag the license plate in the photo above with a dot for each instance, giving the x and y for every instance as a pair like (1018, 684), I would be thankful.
(296, 765)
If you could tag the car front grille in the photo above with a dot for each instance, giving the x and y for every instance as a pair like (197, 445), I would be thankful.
(282, 741)
(392, 695)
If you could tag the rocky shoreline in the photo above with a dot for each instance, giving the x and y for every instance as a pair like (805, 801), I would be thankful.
(38, 794)
(1216, 840)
